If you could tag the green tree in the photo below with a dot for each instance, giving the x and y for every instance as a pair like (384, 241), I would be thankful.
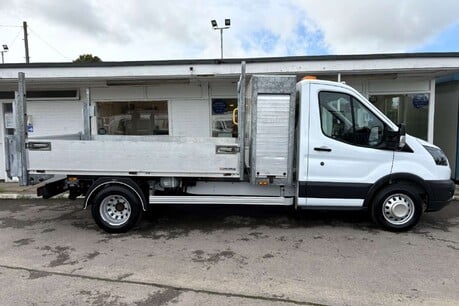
(87, 58)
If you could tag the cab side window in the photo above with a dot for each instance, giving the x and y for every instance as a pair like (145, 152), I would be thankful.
(345, 119)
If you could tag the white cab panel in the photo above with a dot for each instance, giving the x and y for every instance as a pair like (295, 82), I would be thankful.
(334, 202)
(419, 163)
(331, 171)
(345, 163)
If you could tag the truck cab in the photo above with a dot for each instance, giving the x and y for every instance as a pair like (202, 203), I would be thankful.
(351, 156)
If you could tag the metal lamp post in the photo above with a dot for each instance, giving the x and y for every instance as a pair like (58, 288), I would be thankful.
(5, 49)
(216, 27)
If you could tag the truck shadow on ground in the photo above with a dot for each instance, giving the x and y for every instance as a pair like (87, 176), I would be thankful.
(210, 218)
(178, 220)
(172, 221)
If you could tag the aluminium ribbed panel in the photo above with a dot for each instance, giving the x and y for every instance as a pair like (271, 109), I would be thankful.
(272, 141)
(271, 121)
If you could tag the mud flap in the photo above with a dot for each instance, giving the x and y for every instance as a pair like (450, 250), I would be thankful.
(52, 188)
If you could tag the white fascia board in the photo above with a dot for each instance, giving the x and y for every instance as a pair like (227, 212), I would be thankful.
(358, 66)
(107, 72)
(370, 66)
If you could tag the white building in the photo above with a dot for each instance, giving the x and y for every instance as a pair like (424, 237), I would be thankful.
(194, 97)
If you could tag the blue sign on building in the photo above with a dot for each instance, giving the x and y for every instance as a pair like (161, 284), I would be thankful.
(420, 101)
(219, 106)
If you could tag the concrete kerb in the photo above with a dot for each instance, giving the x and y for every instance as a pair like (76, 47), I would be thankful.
(28, 196)
(12, 191)
(16, 196)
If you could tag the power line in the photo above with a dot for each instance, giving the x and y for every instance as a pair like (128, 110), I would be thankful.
(14, 40)
(48, 44)
(9, 26)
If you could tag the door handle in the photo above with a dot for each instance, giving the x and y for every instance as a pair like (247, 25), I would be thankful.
(38, 146)
(226, 149)
(323, 149)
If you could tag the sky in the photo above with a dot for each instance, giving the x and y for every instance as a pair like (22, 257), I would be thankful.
(133, 30)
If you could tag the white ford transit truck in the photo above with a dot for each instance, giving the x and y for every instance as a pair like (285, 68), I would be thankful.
(311, 144)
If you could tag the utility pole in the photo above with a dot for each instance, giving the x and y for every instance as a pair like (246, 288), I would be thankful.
(221, 43)
(26, 42)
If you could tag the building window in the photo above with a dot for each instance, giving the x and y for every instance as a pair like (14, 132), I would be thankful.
(222, 118)
(132, 118)
(410, 109)
(71, 94)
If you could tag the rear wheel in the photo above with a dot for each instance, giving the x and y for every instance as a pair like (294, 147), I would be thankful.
(397, 207)
(116, 209)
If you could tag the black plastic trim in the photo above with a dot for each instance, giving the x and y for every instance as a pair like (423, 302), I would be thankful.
(323, 149)
(442, 192)
(439, 192)
(333, 190)
(407, 149)
(388, 179)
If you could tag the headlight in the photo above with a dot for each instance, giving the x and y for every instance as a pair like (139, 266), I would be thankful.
(438, 156)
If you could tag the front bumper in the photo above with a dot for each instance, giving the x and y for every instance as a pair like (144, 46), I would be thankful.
(440, 194)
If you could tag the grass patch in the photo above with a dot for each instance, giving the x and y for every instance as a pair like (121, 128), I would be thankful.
(2, 190)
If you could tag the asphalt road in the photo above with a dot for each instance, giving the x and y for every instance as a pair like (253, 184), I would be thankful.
(52, 253)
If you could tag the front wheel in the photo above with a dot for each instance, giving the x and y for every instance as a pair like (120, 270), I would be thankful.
(397, 207)
(116, 209)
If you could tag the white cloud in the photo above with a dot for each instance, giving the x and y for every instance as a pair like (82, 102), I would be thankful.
(366, 26)
(173, 29)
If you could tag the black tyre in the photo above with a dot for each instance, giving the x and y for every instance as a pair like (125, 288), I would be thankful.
(397, 207)
(116, 209)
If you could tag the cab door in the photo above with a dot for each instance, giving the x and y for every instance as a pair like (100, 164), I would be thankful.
(346, 153)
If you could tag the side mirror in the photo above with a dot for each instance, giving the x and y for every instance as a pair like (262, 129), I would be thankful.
(401, 135)
(395, 140)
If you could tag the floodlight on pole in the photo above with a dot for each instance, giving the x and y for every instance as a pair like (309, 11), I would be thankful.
(215, 26)
(5, 49)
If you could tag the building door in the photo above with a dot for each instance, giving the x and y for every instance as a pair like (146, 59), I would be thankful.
(2, 147)
(456, 176)
(6, 129)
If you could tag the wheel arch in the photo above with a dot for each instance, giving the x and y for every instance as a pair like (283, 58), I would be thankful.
(105, 182)
(391, 179)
